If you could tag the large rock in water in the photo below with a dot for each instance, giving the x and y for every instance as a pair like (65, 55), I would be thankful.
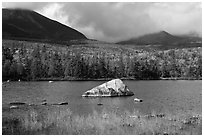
(111, 88)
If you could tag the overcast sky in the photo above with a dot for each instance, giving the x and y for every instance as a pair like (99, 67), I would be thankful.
(120, 21)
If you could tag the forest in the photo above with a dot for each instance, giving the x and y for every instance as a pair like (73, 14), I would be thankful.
(27, 61)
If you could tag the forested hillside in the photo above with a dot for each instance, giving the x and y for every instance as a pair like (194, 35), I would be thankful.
(38, 61)
(24, 24)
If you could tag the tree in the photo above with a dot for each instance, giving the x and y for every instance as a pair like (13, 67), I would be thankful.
(67, 70)
(35, 69)
(137, 70)
(5, 69)
(52, 68)
(199, 68)
(20, 70)
(13, 71)
(6, 54)
(121, 66)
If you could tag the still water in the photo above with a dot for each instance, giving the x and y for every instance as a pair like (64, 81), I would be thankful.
(158, 96)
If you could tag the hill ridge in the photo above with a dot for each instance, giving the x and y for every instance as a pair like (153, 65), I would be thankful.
(23, 23)
(162, 38)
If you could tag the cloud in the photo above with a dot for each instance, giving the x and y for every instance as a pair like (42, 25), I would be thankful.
(24, 5)
(177, 18)
(120, 21)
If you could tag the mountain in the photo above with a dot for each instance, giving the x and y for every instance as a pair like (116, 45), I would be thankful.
(154, 38)
(163, 38)
(26, 24)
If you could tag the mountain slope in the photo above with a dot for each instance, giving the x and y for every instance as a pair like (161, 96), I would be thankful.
(26, 24)
(162, 38)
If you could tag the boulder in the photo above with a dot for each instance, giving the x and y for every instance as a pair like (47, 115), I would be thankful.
(138, 100)
(111, 88)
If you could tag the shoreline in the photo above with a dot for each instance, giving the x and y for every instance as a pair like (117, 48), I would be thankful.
(104, 79)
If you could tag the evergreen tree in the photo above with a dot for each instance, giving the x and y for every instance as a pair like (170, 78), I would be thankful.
(35, 69)
(13, 71)
(6, 70)
(52, 68)
(20, 70)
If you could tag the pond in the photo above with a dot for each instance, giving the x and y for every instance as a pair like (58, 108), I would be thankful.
(158, 96)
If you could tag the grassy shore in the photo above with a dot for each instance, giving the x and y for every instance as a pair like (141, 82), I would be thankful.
(58, 122)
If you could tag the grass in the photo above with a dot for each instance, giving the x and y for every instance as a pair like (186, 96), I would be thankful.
(58, 122)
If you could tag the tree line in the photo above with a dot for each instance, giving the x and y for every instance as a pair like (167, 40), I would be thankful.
(41, 61)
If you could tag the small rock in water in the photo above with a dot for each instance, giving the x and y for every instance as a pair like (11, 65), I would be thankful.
(17, 103)
(138, 100)
(99, 104)
(13, 107)
(44, 103)
(160, 115)
(134, 116)
(62, 103)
